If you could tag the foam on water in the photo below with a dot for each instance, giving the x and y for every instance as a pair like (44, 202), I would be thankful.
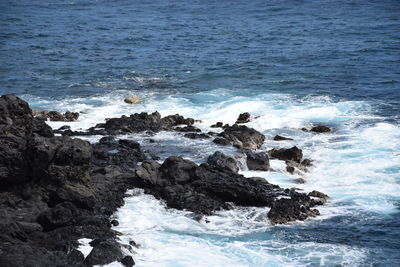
(357, 165)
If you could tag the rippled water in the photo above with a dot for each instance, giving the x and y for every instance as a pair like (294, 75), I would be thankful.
(293, 63)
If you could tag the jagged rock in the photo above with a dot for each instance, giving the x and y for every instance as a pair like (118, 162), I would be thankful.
(291, 166)
(299, 181)
(293, 153)
(220, 160)
(243, 137)
(258, 161)
(174, 120)
(319, 195)
(281, 138)
(243, 118)
(320, 129)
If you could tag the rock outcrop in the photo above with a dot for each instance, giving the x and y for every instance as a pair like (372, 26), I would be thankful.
(243, 137)
(55, 115)
(258, 161)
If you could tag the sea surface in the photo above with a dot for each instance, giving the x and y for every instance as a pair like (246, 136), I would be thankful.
(292, 63)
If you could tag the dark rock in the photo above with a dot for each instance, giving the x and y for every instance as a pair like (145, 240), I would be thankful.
(243, 118)
(243, 137)
(197, 136)
(114, 222)
(103, 253)
(174, 120)
(135, 123)
(258, 161)
(290, 169)
(128, 261)
(306, 162)
(281, 138)
(134, 244)
(319, 195)
(320, 129)
(217, 125)
(299, 181)
(221, 141)
(55, 115)
(293, 153)
(297, 207)
(187, 129)
(220, 160)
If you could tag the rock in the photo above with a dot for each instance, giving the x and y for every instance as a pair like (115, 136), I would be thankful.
(187, 129)
(217, 125)
(175, 120)
(258, 161)
(306, 162)
(243, 137)
(206, 188)
(221, 141)
(319, 195)
(61, 215)
(138, 122)
(281, 138)
(114, 223)
(103, 253)
(320, 129)
(291, 166)
(243, 118)
(128, 261)
(55, 115)
(296, 207)
(132, 100)
(299, 181)
(220, 160)
(293, 153)
(197, 136)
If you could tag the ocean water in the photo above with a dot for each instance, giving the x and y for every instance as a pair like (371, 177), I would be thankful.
(292, 63)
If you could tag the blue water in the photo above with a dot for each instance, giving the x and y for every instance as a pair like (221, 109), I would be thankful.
(291, 62)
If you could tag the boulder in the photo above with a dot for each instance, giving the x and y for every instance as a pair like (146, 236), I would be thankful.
(218, 159)
(293, 153)
(217, 125)
(103, 253)
(243, 137)
(243, 118)
(258, 161)
(132, 100)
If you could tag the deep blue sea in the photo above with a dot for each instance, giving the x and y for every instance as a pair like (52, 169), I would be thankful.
(292, 63)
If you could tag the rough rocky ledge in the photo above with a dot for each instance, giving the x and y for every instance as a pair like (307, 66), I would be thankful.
(55, 190)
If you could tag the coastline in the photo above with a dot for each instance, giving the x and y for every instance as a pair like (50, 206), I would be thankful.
(69, 188)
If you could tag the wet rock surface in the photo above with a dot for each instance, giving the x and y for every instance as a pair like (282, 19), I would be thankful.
(281, 138)
(243, 118)
(294, 154)
(258, 161)
(219, 159)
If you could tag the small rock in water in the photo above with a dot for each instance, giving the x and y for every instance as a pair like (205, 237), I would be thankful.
(281, 138)
(243, 118)
(293, 153)
(114, 222)
(321, 129)
(299, 181)
(131, 100)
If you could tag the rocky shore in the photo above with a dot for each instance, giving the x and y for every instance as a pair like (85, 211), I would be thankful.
(56, 189)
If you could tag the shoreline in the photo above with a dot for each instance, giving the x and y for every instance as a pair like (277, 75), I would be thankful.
(69, 188)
